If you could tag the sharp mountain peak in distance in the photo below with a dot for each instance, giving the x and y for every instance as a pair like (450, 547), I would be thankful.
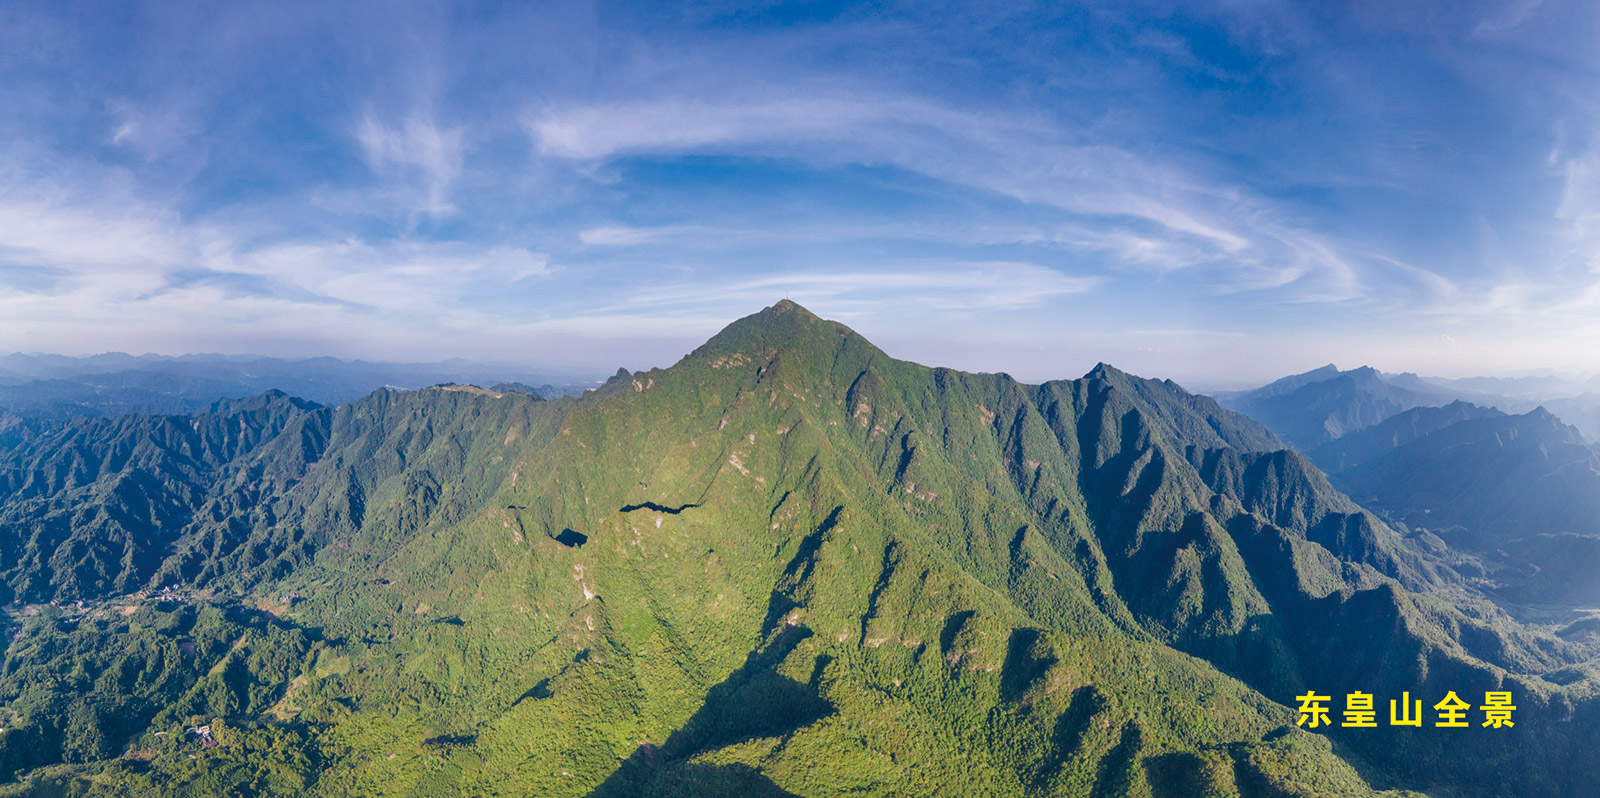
(1312, 409)
(787, 564)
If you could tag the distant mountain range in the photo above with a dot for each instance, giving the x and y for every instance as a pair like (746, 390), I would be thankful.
(1381, 439)
(1321, 405)
(1518, 492)
(786, 565)
(1311, 409)
(54, 386)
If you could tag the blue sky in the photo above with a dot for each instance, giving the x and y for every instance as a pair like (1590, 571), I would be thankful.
(1220, 193)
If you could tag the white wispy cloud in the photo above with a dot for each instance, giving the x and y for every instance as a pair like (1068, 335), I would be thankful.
(1145, 212)
(40, 232)
(935, 173)
(156, 131)
(1579, 204)
(619, 235)
(401, 276)
(95, 261)
(1507, 17)
(601, 131)
(936, 285)
(417, 153)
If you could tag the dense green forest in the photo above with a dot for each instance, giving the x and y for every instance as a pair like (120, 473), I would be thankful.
(787, 565)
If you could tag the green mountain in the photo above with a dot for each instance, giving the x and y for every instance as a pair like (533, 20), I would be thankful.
(93, 507)
(787, 565)
(1312, 409)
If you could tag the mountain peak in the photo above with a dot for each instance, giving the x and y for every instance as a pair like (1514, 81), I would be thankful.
(1550, 423)
(787, 305)
(271, 398)
(1542, 415)
(1295, 381)
(1103, 371)
(785, 325)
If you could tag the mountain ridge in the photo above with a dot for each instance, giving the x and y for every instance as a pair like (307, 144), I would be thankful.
(1315, 408)
(910, 576)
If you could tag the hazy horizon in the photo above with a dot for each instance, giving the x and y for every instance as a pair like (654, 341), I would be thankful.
(599, 371)
(1222, 196)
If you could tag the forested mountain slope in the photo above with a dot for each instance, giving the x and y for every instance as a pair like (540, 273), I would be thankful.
(788, 564)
